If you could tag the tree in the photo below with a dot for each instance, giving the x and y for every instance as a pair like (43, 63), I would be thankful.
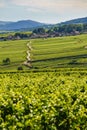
(39, 31)
(50, 31)
(79, 27)
(6, 61)
(85, 27)
(20, 68)
(21, 35)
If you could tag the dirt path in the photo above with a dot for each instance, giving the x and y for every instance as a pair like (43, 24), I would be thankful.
(28, 61)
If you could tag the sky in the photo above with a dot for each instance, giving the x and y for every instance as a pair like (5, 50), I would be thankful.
(45, 11)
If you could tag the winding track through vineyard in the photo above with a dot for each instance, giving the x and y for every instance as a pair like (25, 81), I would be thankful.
(28, 61)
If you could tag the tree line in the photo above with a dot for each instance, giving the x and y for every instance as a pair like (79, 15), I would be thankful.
(58, 30)
(70, 29)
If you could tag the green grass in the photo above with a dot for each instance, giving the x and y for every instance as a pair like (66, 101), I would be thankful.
(47, 53)
(60, 52)
(15, 50)
(6, 34)
(37, 100)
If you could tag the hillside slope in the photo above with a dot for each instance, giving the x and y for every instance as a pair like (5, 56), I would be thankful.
(75, 21)
(24, 24)
(66, 52)
(70, 51)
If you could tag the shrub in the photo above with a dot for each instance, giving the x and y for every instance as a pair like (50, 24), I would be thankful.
(6, 61)
(20, 68)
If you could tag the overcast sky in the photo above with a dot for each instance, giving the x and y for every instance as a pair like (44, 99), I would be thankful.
(48, 11)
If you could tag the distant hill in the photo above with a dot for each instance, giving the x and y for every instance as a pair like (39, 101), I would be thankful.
(19, 25)
(75, 21)
(25, 25)
(4, 23)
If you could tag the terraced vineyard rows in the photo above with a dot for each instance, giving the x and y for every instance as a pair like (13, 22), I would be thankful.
(15, 51)
(43, 101)
(66, 52)
(60, 52)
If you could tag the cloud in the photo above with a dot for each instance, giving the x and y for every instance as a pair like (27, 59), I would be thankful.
(81, 4)
(44, 5)
(45, 10)
(35, 3)
(51, 5)
(2, 4)
(34, 10)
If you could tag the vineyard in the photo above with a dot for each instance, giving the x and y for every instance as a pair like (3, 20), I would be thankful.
(43, 84)
(15, 51)
(49, 53)
(43, 101)
(60, 52)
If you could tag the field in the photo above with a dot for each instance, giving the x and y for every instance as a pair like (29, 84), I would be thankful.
(51, 94)
(16, 51)
(7, 34)
(60, 52)
(43, 101)
(52, 53)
